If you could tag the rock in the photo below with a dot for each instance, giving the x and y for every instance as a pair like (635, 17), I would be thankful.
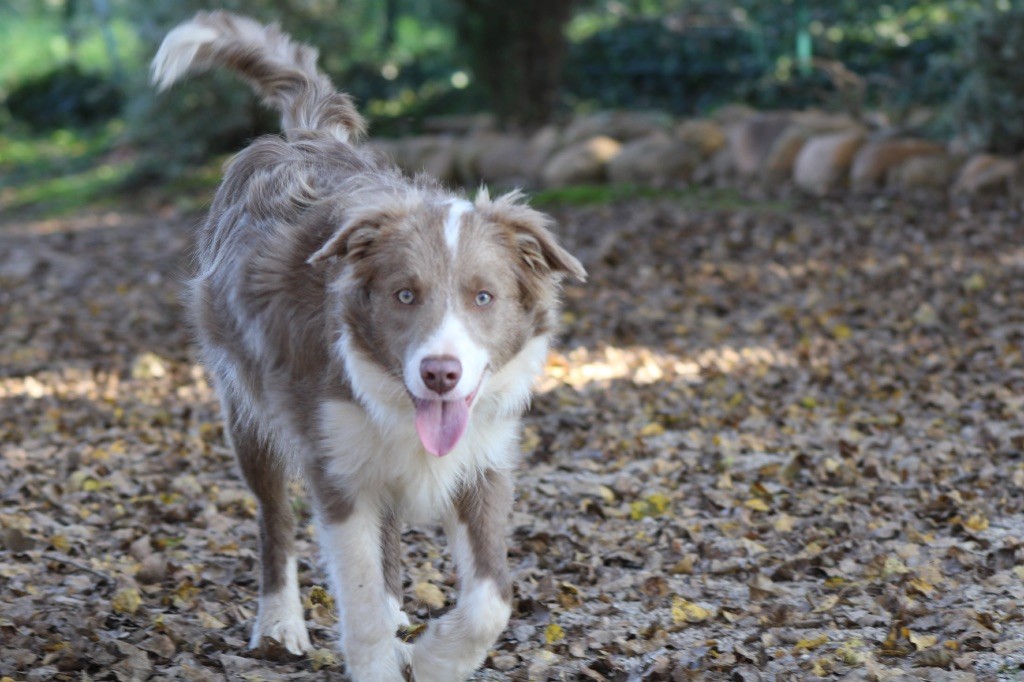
(502, 161)
(986, 174)
(618, 125)
(925, 172)
(720, 169)
(654, 160)
(751, 140)
(430, 154)
(542, 145)
(505, 159)
(460, 124)
(705, 136)
(824, 160)
(584, 162)
(731, 114)
(874, 160)
(777, 165)
(467, 156)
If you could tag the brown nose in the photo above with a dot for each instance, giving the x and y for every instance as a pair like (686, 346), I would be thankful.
(440, 373)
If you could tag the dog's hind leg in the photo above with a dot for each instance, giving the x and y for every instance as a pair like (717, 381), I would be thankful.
(280, 615)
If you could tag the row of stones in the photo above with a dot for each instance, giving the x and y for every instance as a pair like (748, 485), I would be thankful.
(818, 152)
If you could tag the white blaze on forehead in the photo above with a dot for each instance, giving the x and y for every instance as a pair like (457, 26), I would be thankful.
(452, 339)
(456, 209)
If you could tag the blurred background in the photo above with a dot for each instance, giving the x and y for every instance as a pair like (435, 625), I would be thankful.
(78, 117)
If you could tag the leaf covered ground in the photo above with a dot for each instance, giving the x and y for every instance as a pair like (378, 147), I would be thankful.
(776, 442)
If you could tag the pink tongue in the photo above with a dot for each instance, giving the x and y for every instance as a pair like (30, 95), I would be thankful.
(440, 424)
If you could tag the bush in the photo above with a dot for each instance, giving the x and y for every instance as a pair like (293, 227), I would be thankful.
(193, 122)
(693, 61)
(989, 107)
(65, 98)
(645, 64)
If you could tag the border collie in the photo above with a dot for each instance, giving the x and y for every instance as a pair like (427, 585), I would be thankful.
(377, 335)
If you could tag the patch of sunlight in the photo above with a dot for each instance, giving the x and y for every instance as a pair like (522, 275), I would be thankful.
(74, 383)
(70, 382)
(640, 365)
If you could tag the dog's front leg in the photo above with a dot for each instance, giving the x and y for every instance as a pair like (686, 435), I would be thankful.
(456, 644)
(351, 535)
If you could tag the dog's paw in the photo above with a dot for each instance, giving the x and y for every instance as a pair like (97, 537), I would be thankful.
(386, 661)
(290, 633)
(281, 619)
(434, 661)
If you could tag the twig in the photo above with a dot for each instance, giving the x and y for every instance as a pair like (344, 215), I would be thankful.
(77, 564)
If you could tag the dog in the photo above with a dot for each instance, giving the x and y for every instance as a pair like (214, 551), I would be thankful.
(377, 335)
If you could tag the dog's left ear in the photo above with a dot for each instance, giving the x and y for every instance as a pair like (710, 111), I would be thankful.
(534, 241)
(357, 234)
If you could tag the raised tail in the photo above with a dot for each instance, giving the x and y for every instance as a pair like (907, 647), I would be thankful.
(280, 70)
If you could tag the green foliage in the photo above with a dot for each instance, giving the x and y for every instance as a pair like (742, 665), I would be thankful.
(989, 108)
(36, 42)
(647, 63)
(698, 55)
(65, 98)
(397, 76)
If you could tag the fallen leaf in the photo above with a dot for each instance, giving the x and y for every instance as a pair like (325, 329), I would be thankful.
(126, 600)
(810, 643)
(322, 658)
(429, 594)
(553, 633)
(684, 611)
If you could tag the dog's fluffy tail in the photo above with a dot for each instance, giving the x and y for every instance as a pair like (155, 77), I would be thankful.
(282, 71)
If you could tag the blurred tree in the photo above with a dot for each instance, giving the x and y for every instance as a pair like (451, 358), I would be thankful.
(517, 50)
(989, 106)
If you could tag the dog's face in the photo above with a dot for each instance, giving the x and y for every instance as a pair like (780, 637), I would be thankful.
(438, 298)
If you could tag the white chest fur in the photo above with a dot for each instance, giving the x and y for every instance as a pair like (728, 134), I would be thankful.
(389, 460)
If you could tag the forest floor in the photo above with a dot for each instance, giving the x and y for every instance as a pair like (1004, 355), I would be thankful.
(778, 440)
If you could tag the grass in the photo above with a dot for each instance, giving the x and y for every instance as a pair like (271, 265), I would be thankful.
(92, 187)
(56, 173)
(59, 171)
(693, 198)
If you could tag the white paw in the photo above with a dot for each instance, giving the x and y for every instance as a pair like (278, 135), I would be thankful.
(436, 661)
(282, 622)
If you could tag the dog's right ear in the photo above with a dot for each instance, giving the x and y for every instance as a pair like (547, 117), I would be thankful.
(358, 233)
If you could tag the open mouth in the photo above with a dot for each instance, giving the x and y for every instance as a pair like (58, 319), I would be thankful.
(441, 423)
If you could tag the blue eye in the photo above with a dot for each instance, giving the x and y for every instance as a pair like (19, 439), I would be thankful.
(483, 299)
(406, 297)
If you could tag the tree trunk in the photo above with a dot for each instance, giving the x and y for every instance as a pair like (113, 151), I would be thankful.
(517, 49)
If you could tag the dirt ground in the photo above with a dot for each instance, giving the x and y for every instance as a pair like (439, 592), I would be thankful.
(778, 441)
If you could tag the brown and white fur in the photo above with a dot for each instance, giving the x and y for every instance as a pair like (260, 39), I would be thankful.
(377, 335)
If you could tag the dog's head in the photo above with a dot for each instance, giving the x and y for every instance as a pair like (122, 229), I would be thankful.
(438, 303)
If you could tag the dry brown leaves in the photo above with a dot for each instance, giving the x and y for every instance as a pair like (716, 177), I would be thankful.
(774, 445)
